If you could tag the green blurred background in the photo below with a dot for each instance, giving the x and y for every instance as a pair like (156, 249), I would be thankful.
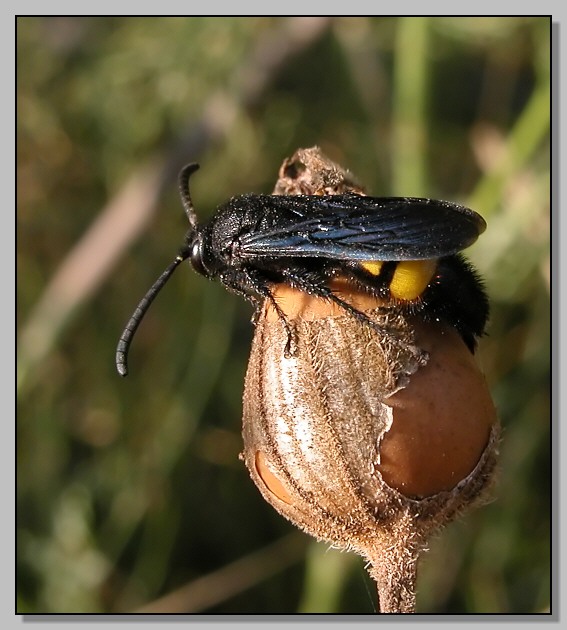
(131, 496)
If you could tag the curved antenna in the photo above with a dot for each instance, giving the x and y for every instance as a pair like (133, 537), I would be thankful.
(127, 335)
(184, 175)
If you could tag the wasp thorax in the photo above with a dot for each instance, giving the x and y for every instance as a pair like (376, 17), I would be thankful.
(369, 441)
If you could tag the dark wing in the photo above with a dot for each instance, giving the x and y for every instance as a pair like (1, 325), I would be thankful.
(356, 227)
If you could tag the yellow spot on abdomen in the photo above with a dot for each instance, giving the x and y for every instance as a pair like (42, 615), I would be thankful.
(372, 266)
(411, 277)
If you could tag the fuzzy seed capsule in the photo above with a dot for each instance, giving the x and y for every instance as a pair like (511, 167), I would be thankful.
(369, 442)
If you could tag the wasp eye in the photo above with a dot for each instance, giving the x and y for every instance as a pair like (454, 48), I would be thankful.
(197, 257)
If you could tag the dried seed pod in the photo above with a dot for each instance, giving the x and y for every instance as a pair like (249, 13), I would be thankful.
(310, 172)
(357, 442)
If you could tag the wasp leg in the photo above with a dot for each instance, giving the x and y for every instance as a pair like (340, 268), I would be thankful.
(304, 283)
(252, 285)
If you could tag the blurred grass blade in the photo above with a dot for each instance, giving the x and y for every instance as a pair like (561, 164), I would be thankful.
(232, 579)
(326, 573)
(409, 124)
(87, 265)
(530, 130)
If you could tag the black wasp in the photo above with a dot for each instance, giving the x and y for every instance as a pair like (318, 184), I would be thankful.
(402, 249)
